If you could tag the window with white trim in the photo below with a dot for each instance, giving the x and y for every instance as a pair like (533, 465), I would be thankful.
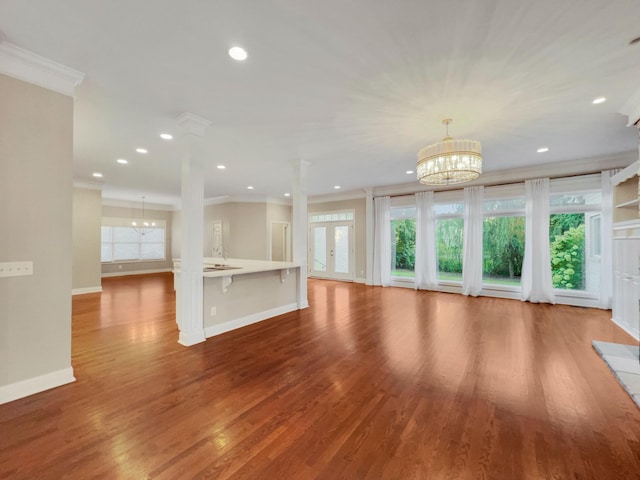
(120, 242)
(574, 235)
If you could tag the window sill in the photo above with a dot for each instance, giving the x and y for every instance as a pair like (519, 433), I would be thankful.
(575, 294)
(116, 262)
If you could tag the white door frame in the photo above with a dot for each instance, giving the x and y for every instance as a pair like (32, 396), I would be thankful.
(287, 245)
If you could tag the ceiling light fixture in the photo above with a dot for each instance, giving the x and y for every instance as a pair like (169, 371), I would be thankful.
(250, 187)
(166, 136)
(142, 150)
(122, 161)
(409, 172)
(287, 194)
(542, 149)
(221, 167)
(449, 161)
(144, 226)
(599, 100)
(97, 174)
(337, 187)
(238, 53)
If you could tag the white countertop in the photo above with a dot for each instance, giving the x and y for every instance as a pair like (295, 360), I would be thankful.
(244, 266)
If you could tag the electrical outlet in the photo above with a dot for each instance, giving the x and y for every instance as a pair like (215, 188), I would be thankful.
(16, 269)
(213, 311)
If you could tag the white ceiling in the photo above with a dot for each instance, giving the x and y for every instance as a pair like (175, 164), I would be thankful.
(354, 87)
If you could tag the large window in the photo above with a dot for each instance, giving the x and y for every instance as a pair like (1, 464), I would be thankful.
(121, 242)
(403, 241)
(574, 235)
(449, 246)
(503, 241)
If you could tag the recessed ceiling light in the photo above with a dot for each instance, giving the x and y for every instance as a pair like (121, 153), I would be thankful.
(409, 172)
(122, 161)
(287, 194)
(599, 100)
(542, 149)
(97, 174)
(221, 167)
(238, 53)
(250, 187)
(141, 150)
(337, 187)
(166, 136)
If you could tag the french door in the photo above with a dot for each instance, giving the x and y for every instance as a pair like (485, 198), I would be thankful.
(331, 250)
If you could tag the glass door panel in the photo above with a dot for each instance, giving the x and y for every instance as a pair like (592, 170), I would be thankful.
(319, 251)
(341, 249)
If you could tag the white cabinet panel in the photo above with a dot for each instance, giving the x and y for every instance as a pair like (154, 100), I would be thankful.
(626, 285)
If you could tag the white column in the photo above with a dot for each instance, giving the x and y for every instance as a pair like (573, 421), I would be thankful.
(369, 233)
(189, 294)
(300, 228)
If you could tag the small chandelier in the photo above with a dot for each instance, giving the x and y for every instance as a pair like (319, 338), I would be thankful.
(449, 161)
(143, 226)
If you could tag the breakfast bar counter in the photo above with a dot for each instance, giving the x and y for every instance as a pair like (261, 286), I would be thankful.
(239, 292)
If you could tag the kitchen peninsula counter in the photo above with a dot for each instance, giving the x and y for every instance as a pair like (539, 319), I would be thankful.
(238, 292)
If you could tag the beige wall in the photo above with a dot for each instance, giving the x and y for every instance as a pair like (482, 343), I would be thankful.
(132, 267)
(249, 294)
(36, 155)
(359, 206)
(87, 210)
(245, 228)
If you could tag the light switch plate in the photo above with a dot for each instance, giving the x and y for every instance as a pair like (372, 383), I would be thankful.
(16, 269)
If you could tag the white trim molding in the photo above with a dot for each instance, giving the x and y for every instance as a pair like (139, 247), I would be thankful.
(29, 67)
(82, 291)
(123, 273)
(249, 319)
(24, 388)
(631, 109)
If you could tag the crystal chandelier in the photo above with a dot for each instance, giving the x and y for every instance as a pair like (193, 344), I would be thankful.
(449, 161)
(143, 226)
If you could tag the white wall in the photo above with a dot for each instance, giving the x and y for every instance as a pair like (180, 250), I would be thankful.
(36, 155)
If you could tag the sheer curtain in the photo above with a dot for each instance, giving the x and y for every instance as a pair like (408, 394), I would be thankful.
(382, 241)
(606, 239)
(537, 285)
(472, 255)
(425, 263)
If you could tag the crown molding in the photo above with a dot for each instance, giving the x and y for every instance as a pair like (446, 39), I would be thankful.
(246, 199)
(19, 63)
(113, 202)
(513, 175)
(338, 197)
(631, 109)
(193, 124)
(87, 185)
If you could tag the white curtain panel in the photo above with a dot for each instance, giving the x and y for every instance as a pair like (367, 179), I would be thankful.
(382, 241)
(425, 264)
(537, 285)
(472, 254)
(606, 239)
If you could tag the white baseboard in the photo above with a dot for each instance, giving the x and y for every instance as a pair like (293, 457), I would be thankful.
(248, 320)
(135, 272)
(635, 335)
(24, 388)
(82, 291)
(360, 280)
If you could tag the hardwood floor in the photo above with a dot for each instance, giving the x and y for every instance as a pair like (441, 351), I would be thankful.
(366, 383)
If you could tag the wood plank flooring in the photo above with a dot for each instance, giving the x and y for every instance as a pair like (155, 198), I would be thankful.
(367, 383)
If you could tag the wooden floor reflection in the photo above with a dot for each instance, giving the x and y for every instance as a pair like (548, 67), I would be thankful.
(366, 383)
